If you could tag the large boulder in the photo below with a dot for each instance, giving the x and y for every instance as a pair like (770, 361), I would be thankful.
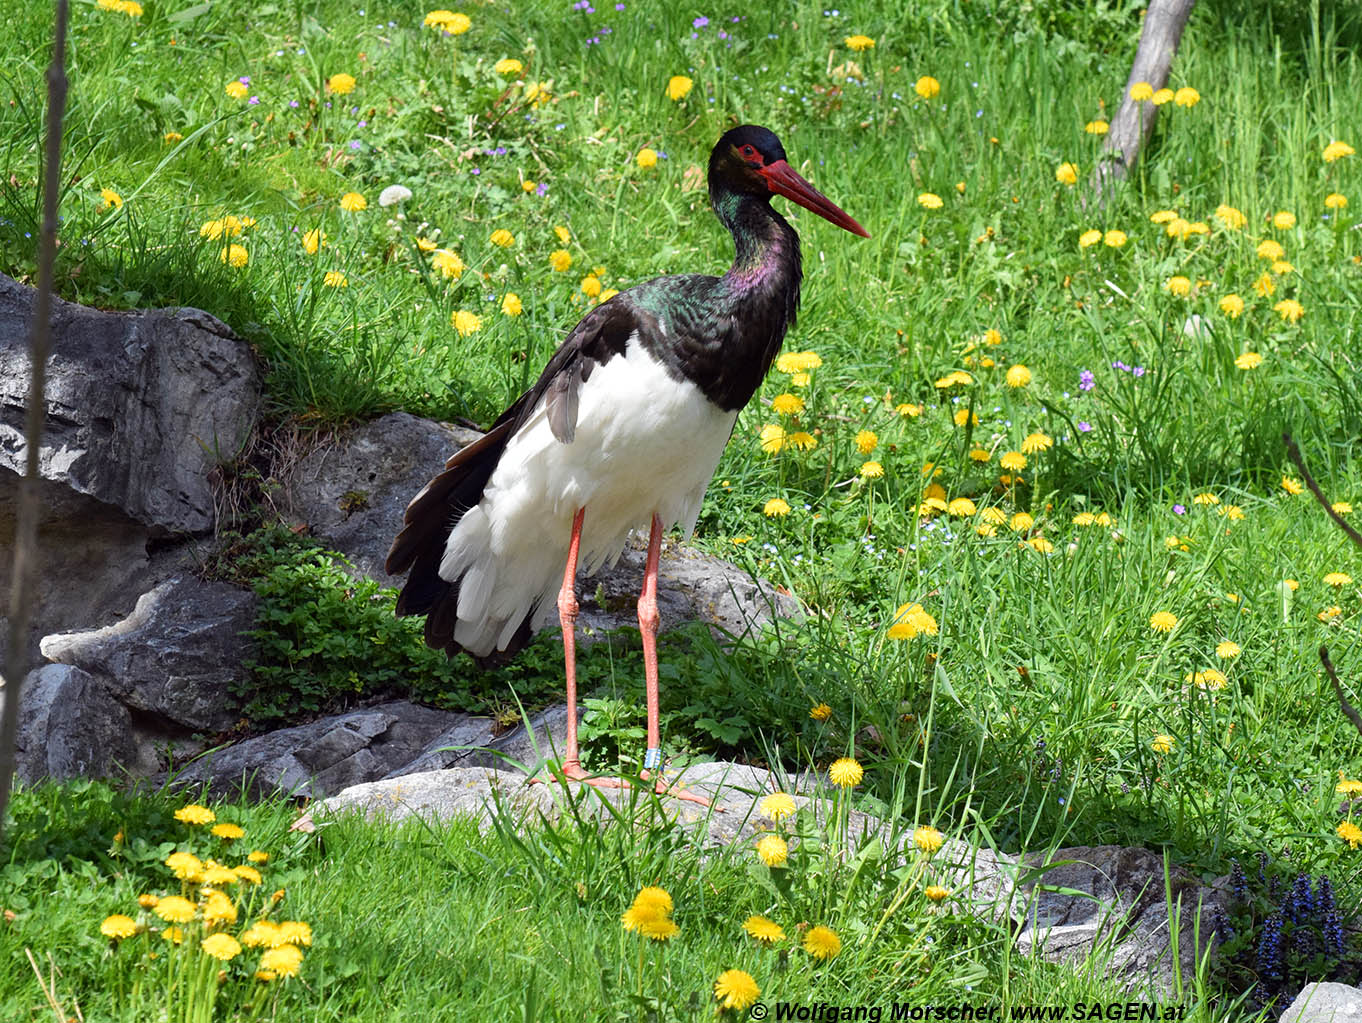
(175, 657)
(70, 726)
(141, 406)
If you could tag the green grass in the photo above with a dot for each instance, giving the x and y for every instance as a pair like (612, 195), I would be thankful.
(1028, 719)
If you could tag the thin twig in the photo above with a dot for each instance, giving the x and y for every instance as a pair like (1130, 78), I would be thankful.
(50, 995)
(1295, 455)
(27, 507)
(1348, 709)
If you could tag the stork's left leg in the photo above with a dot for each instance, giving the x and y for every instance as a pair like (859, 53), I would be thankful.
(648, 621)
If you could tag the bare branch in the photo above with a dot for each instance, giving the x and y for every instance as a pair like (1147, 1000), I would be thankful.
(26, 507)
(1348, 709)
(1130, 129)
(1294, 453)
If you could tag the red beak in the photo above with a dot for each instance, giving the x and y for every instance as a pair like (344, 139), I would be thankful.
(782, 179)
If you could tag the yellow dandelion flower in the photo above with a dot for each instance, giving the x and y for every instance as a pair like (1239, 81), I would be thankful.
(1338, 579)
(1098, 127)
(502, 238)
(1013, 461)
(787, 404)
(930, 201)
(341, 83)
(185, 865)
(936, 892)
(1018, 376)
(772, 850)
(217, 874)
(802, 440)
(773, 438)
(821, 712)
(1292, 485)
(508, 66)
(1162, 743)
(777, 806)
(335, 279)
(1289, 310)
(871, 470)
(1269, 249)
(822, 942)
(980, 455)
(465, 322)
(866, 441)
(313, 240)
(511, 305)
(1283, 220)
(735, 989)
(1336, 201)
(1230, 218)
(1264, 285)
(219, 909)
(448, 264)
(295, 932)
(284, 960)
(195, 814)
(845, 772)
(1036, 442)
(590, 286)
(1336, 150)
(859, 43)
(1347, 786)
(1067, 173)
(678, 88)
(248, 874)
(1227, 650)
(1161, 96)
(1342, 507)
(961, 507)
(1089, 238)
(1350, 833)
(909, 410)
(353, 202)
(1163, 216)
(1141, 91)
(1205, 498)
(928, 839)
(262, 934)
(766, 931)
(646, 158)
(258, 856)
(777, 507)
(236, 89)
(175, 909)
(927, 87)
(1178, 287)
(560, 260)
(1232, 306)
(235, 256)
(1186, 97)
(1163, 621)
(118, 926)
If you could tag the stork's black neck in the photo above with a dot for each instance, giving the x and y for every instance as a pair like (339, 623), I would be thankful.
(723, 333)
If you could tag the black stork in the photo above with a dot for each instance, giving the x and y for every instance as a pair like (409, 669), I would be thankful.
(624, 427)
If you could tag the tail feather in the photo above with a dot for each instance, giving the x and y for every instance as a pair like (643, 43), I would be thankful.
(429, 519)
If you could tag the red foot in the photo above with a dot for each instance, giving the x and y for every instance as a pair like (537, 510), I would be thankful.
(574, 771)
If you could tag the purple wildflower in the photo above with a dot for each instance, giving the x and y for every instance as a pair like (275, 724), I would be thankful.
(699, 22)
(355, 144)
(1084, 427)
(1086, 381)
(475, 171)
(293, 103)
(245, 79)
(253, 101)
(1137, 371)
(619, 7)
(1179, 509)
(541, 189)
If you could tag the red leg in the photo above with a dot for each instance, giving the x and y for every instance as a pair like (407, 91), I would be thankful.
(567, 617)
(648, 622)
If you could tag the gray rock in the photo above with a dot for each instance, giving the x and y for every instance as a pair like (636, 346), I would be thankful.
(70, 726)
(325, 756)
(175, 656)
(352, 492)
(141, 407)
(1325, 1003)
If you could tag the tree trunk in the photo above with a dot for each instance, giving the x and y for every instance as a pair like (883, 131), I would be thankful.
(1133, 123)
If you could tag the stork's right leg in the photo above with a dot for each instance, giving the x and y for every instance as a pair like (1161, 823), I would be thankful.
(567, 617)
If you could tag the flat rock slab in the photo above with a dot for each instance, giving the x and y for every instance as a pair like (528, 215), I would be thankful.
(1123, 891)
(323, 757)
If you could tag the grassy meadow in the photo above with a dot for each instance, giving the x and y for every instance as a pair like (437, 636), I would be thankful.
(1022, 461)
